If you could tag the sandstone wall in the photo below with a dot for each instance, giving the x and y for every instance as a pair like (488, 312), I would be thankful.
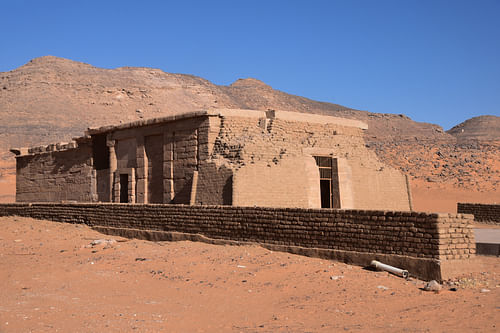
(485, 213)
(293, 182)
(214, 185)
(423, 243)
(55, 176)
(164, 157)
(375, 189)
(230, 157)
(244, 140)
(259, 148)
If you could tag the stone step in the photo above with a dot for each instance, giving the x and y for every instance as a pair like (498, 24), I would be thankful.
(487, 241)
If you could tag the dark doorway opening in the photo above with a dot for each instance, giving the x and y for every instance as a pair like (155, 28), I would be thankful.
(100, 158)
(326, 193)
(124, 188)
(100, 152)
(329, 181)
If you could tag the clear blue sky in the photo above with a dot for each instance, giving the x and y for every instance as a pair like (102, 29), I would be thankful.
(436, 61)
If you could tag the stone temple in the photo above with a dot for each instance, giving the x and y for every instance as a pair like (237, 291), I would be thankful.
(217, 157)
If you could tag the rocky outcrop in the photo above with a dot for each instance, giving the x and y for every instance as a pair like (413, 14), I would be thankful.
(477, 128)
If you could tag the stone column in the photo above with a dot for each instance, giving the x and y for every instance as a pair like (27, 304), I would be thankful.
(93, 185)
(112, 167)
(168, 166)
(131, 186)
(194, 188)
(141, 171)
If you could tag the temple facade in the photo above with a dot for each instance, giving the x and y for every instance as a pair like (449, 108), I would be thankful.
(218, 157)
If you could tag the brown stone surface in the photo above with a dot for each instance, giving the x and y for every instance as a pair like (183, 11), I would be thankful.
(52, 279)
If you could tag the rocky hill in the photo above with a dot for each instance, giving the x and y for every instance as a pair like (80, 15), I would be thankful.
(482, 128)
(51, 99)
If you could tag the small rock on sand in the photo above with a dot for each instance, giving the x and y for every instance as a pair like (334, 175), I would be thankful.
(102, 241)
(432, 285)
(336, 277)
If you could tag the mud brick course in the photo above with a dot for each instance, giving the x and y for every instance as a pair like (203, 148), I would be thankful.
(423, 242)
(482, 212)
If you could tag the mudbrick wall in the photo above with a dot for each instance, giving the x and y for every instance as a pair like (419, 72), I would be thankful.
(482, 212)
(421, 242)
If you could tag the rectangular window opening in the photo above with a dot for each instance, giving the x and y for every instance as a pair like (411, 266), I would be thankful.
(329, 181)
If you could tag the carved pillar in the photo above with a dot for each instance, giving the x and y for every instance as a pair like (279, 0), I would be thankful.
(131, 186)
(168, 166)
(112, 167)
(141, 173)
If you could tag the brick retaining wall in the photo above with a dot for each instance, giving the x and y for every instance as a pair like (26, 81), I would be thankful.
(486, 213)
(420, 242)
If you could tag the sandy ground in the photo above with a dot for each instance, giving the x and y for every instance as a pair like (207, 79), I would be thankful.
(53, 280)
(433, 197)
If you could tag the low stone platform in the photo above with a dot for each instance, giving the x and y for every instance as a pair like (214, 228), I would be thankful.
(487, 241)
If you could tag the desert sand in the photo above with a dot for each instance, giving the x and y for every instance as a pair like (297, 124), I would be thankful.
(443, 198)
(54, 280)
